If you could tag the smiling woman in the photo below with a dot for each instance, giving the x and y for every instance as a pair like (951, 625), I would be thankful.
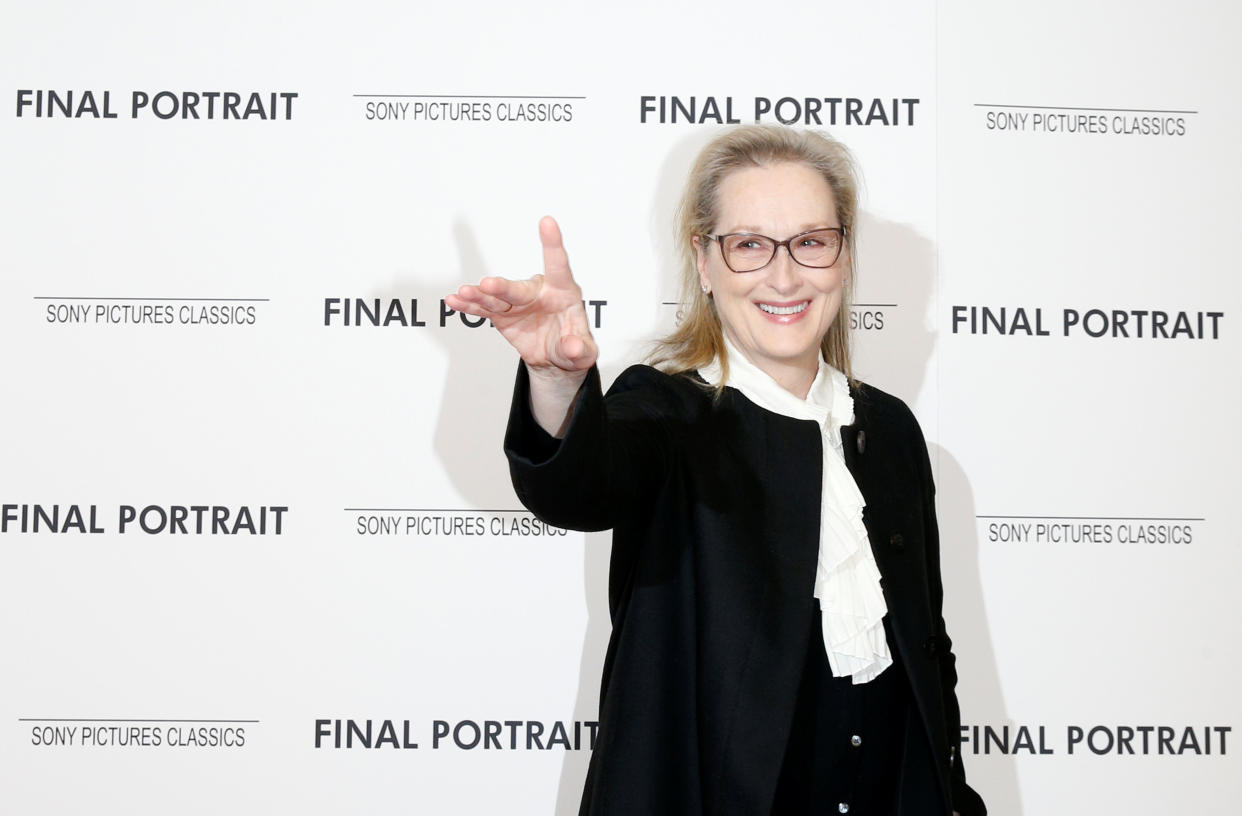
(775, 307)
(775, 649)
(778, 174)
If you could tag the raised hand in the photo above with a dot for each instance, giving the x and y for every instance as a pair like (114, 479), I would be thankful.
(544, 319)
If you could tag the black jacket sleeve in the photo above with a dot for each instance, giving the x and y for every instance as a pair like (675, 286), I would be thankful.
(614, 452)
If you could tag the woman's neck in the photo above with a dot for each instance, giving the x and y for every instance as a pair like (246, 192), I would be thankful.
(794, 375)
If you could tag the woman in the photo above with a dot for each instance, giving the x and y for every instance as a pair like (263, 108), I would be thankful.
(777, 644)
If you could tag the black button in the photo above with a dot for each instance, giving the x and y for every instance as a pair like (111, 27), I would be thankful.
(932, 646)
(860, 442)
(898, 541)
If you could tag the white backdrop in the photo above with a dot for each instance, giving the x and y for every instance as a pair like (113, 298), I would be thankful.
(178, 324)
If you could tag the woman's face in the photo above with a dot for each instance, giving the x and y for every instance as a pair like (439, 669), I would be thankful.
(778, 315)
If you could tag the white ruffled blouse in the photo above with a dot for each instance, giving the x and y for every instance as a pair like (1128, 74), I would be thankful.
(847, 581)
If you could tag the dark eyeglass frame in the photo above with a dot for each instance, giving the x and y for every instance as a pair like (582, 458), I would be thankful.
(776, 245)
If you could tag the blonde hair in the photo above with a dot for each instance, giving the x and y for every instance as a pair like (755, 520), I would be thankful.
(698, 339)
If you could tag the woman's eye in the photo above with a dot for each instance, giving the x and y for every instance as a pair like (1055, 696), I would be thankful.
(746, 244)
(811, 242)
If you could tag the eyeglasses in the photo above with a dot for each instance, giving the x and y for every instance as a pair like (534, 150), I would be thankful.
(748, 252)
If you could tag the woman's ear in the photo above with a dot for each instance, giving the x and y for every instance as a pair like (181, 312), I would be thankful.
(700, 256)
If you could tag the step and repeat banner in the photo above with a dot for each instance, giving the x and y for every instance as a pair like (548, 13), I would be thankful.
(258, 548)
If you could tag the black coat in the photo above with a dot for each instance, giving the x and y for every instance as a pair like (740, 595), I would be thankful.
(714, 509)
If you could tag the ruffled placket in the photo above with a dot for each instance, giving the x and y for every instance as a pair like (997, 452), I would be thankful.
(847, 580)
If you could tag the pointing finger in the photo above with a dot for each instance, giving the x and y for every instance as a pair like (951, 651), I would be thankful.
(555, 259)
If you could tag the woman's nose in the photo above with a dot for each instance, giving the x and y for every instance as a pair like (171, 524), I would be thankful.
(784, 274)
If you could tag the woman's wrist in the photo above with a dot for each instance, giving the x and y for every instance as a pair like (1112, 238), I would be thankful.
(552, 394)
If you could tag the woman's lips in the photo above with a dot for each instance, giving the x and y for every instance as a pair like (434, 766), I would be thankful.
(784, 313)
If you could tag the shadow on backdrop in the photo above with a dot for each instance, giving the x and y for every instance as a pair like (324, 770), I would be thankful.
(966, 620)
(469, 438)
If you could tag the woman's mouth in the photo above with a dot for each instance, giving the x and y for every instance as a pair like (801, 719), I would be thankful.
(784, 310)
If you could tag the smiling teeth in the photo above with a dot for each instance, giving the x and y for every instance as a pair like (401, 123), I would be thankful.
(783, 310)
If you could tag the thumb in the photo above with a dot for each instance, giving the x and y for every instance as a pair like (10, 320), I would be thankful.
(578, 351)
